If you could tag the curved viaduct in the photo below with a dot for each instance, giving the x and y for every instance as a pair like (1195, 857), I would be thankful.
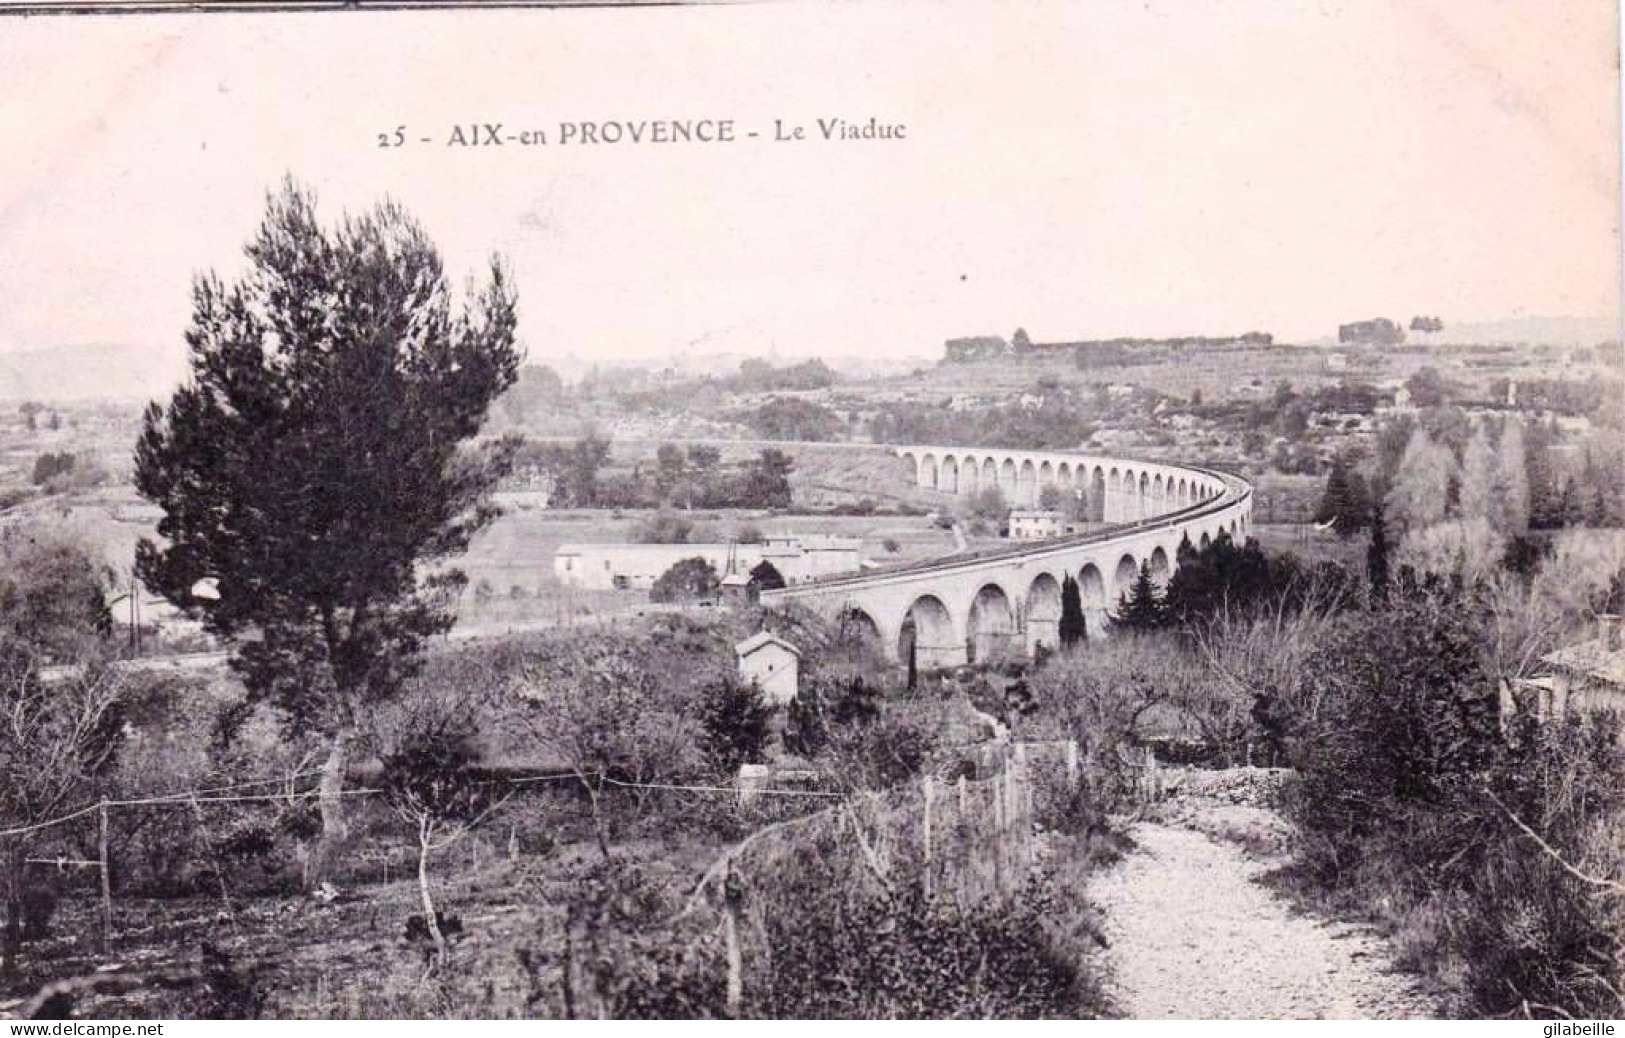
(983, 605)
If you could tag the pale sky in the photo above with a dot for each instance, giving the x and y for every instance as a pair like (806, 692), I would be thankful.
(1080, 169)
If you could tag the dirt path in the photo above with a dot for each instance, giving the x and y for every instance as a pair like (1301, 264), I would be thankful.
(1194, 936)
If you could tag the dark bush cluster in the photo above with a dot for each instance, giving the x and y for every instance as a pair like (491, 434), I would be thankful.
(1418, 794)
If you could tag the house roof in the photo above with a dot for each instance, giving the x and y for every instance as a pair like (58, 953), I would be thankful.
(1592, 659)
(761, 640)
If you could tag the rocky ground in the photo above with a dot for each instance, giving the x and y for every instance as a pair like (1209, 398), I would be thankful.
(1194, 935)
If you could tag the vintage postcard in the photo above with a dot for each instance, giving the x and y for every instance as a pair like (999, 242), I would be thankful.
(807, 510)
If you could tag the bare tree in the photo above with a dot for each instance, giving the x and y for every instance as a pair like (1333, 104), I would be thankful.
(608, 718)
(58, 739)
(432, 782)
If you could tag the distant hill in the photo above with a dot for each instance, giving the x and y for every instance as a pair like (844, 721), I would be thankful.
(1553, 331)
(94, 372)
(1533, 331)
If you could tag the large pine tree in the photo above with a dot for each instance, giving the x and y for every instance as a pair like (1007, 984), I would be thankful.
(1346, 499)
(1140, 608)
(317, 457)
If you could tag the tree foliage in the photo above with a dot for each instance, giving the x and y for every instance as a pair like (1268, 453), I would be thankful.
(1418, 497)
(59, 738)
(735, 718)
(1419, 794)
(1074, 627)
(1346, 501)
(315, 459)
(1141, 608)
(688, 580)
(53, 606)
(1478, 471)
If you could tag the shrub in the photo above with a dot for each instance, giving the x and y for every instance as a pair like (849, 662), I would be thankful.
(1416, 795)
(735, 718)
(688, 580)
(665, 528)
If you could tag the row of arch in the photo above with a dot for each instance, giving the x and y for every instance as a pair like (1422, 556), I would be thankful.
(1000, 621)
(1115, 493)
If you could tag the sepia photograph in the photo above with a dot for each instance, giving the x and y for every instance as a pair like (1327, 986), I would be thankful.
(799, 510)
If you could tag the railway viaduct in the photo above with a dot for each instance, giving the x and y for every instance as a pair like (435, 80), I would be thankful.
(982, 605)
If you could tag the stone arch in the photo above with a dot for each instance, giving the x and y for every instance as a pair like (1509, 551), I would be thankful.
(1042, 611)
(1159, 502)
(1092, 587)
(1007, 480)
(970, 482)
(1183, 494)
(1160, 569)
(855, 625)
(1027, 485)
(991, 627)
(928, 630)
(913, 461)
(990, 475)
(1092, 595)
(948, 475)
(765, 576)
(928, 471)
(1145, 493)
(1097, 496)
(1063, 475)
(1123, 576)
(1046, 476)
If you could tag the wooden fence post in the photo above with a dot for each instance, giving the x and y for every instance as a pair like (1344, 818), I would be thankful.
(928, 793)
(998, 830)
(107, 883)
(928, 789)
(732, 894)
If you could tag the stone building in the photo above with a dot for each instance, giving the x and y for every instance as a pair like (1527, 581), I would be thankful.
(1589, 675)
(772, 663)
(778, 561)
(1036, 524)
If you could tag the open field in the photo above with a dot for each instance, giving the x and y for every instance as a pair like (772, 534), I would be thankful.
(509, 566)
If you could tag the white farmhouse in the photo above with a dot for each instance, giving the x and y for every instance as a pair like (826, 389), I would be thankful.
(1031, 524)
(772, 663)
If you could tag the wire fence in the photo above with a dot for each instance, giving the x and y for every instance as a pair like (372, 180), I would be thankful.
(967, 837)
(964, 839)
(297, 788)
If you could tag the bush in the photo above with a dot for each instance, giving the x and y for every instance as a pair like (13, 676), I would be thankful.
(49, 466)
(1416, 795)
(688, 580)
(735, 720)
(665, 528)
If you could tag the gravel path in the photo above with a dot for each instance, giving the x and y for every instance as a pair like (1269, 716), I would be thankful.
(1194, 936)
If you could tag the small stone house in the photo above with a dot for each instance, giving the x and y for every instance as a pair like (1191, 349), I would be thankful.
(772, 663)
(1036, 524)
